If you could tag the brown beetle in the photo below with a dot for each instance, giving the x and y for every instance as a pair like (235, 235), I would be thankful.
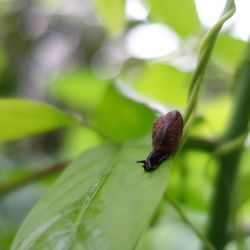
(167, 132)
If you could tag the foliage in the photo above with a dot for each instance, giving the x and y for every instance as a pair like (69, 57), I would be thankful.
(21, 118)
(103, 199)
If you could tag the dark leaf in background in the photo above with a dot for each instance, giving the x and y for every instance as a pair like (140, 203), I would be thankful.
(121, 117)
(79, 89)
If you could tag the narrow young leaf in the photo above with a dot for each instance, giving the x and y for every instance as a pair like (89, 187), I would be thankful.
(205, 51)
(21, 118)
(104, 200)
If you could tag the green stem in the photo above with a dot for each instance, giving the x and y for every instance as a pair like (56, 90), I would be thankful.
(202, 144)
(230, 146)
(5, 188)
(227, 177)
(185, 219)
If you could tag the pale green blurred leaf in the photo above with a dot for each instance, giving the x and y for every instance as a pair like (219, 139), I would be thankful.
(228, 51)
(167, 237)
(215, 119)
(180, 15)
(192, 179)
(79, 89)
(77, 139)
(21, 118)
(112, 13)
(104, 200)
(122, 118)
(5, 7)
(164, 83)
(168, 229)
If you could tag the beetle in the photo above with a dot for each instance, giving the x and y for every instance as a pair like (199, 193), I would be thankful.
(166, 137)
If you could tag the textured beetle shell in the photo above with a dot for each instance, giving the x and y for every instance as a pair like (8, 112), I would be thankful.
(167, 132)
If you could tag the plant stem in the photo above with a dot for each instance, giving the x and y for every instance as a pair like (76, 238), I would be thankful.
(185, 219)
(202, 144)
(34, 176)
(192, 142)
(226, 180)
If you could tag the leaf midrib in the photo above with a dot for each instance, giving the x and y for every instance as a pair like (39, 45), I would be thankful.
(89, 198)
(85, 206)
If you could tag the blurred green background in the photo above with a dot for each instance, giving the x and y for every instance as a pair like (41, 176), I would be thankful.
(116, 66)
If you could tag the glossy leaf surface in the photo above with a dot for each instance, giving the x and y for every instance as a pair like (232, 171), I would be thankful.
(104, 200)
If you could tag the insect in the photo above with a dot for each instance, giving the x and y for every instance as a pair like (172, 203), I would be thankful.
(167, 132)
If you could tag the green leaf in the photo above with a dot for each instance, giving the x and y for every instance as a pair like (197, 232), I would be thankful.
(228, 51)
(164, 83)
(78, 139)
(111, 13)
(217, 118)
(214, 118)
(205, 51)
(79, 89)
(121, 117)
(166, 232)
(181, 16)
(104, 200)
(21, 118)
